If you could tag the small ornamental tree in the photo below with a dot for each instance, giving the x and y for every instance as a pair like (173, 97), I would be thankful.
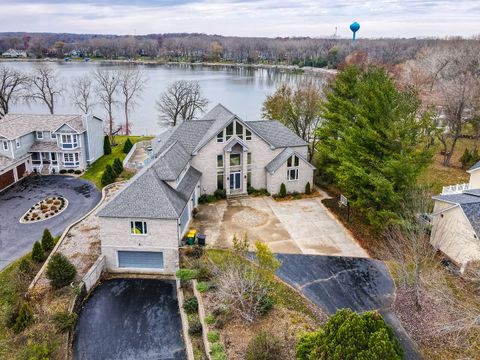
(107, 148)
(24, 318)
(47, 240)
(38, 254)
(127, 146)
(117, 166)
(108, 175)
(60, 271)
(283, 191)
(308, 190)
(348, 335)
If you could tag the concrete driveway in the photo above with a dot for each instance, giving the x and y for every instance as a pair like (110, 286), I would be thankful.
(16, 239)
(302, 226)
(134, 319)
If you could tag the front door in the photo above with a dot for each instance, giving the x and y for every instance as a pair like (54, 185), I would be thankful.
(235, 180)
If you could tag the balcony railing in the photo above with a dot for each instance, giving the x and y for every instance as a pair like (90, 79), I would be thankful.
(455, 189)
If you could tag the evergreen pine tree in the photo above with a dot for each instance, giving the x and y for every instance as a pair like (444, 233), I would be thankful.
(283, 190)
(107, 148)
(60, 271)
(117, 166)
(128, 146)
(47, 240)
(108, 175)
(38, 254)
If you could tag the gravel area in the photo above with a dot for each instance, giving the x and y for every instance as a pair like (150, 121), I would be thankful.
(82, 243)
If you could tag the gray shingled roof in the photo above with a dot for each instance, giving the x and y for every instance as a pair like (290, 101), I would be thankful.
(462, 198)
(6, 161)
(190, 179)
(475, 166)
(276, 134)
(472, 212)
(282, 158)
(171, 162)
(13, 126)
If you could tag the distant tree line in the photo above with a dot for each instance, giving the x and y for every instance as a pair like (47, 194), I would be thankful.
(302, 51)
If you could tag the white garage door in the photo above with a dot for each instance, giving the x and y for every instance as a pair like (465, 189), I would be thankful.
(140, 259)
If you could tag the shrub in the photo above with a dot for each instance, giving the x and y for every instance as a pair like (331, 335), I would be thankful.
(203, 287)
(38, 349)
(24, 318)
(78, 172)
(107, 148)
(218, 352)
(64, 321)
(194, 325)
(47, 240)
(220, 194)
(204, 273)
(38, 254)
(264, 346)
(70, 171)
(283, 191)
(210, 319)
(348, 335)
(117, 166)
(308, 191)
(186, 274)
(26, 269)
(266, 304)
(108, 175)
(213, 336)
(63, 171)
(60, 271)
(194, 252)
(206, 199)
(127, 146)
(191, 305)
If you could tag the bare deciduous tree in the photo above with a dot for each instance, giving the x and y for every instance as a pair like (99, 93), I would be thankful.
(83, 92)
(182, 101)
(45, 86)
(132, 83)
(107, 82)
(11, 85)
(298, 109)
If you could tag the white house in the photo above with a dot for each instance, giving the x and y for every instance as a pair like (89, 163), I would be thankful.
(47, 144)
(13, 54)
(456, 220)
(143, 224)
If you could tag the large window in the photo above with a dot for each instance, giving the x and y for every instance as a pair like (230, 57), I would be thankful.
(138, 227)
(219, 161)
(229, 131)
(69, 141)
(239, 129)
(220, 180)
(292, 168)
(234, 159)
(71, 159)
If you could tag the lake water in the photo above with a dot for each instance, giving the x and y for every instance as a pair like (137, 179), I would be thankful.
(242, 90)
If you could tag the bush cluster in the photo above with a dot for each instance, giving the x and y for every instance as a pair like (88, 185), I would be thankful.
(64, 321)
(186, 274)
(60, 271)
(206, 199)
(24, 318)
(191, 305)
(264, 346)
(220, 194)
(194, 325)
(257, 192)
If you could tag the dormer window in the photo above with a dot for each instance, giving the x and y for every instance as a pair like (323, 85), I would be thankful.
(5, 145)
(39, 135)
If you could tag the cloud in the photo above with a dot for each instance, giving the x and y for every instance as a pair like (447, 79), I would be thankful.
(383, 18)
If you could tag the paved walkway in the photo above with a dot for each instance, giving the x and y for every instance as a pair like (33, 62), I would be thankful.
(130, 319)
(302, 226)
(336, 282)
(16, 239)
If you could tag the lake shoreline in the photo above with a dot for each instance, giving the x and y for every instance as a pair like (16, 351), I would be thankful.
(289, 68)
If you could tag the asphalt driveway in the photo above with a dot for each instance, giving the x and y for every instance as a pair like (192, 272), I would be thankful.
(302, 226)
(16, 239)
(336, 282)
(130, 319)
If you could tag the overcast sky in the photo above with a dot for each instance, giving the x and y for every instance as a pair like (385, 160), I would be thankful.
(385, 18)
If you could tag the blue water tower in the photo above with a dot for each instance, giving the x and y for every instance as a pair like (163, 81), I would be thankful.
(355, 26)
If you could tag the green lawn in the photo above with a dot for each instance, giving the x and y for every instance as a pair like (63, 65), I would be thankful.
(94, 172)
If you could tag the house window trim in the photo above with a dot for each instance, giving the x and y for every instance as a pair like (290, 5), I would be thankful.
(71, 163)
(5, 145)
(220, 156)
(144, 228)
(239, 159)
(296, 174)
(18, 143)
(222, 174)
(249, 158)
(75, 144)
(293, 164)
(247, 136)
(39, 135)
(53, 135)
(220, 137)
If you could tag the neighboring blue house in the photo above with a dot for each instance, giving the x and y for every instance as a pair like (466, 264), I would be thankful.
(47, 144)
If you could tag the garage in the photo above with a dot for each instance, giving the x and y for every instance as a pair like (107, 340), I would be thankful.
(140, 259)
(7, 179)
(21, 170)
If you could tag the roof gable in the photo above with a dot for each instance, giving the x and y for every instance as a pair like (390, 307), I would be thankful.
(282, 158)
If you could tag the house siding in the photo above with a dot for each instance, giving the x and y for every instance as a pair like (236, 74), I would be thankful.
(475, 179)
(162, 236)
(93, 139)
(453, 235)
(305, 175)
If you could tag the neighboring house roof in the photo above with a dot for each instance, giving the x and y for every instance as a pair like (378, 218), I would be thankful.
(276, 133)
(13, 126)
(462, 198)
(282, 158)
(475, 166)
(472, 212)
